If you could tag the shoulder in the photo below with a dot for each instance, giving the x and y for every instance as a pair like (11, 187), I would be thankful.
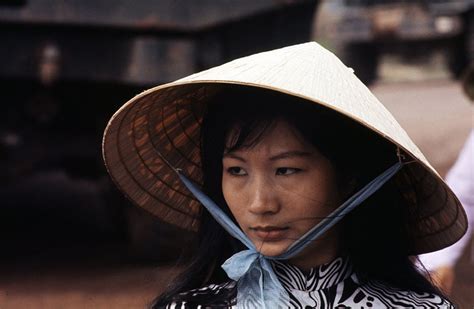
(196, 297)
(389, 296)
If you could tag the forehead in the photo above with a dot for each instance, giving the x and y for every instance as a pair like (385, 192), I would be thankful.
(279, 136)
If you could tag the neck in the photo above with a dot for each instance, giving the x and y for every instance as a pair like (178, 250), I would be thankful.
(322, 251)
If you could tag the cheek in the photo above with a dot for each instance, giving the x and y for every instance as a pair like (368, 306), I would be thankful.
(317, 194)
(233, 197)
(228, 191)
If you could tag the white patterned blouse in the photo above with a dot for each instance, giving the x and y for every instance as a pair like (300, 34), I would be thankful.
(333, 285)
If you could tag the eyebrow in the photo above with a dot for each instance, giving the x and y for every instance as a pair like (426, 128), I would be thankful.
(290, 154)
(233, 156)
(283, 155)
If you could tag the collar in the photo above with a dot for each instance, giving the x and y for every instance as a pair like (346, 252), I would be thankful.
(317, 278)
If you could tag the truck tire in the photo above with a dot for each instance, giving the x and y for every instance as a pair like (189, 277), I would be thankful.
(462, 52)
(469, 45)
(363, 58)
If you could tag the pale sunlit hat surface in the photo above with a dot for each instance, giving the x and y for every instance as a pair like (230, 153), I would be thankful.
(161, 126)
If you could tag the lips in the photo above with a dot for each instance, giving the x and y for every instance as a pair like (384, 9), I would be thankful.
(269, 233)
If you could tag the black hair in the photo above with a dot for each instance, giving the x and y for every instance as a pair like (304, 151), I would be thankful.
(374, 235)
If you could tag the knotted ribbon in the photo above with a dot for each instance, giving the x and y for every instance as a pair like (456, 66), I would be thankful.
(257, 284)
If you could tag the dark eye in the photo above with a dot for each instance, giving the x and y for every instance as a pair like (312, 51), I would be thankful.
(284, 171)
(236, 171)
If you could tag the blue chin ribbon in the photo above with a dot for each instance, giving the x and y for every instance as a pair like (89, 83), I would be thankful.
(257, 284)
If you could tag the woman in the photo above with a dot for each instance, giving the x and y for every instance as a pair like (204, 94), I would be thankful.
(321, 193)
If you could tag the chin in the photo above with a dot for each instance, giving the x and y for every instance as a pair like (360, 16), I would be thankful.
(271, 249)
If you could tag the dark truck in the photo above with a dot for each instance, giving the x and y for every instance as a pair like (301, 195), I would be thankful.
(359, 30)
(67, 65)
(143, 42)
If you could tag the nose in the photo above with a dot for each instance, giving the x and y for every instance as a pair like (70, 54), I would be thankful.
(263, 197)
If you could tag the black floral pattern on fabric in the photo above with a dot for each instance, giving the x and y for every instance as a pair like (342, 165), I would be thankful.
(333, 285)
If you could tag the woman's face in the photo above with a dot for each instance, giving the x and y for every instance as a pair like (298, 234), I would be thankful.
(279, 189)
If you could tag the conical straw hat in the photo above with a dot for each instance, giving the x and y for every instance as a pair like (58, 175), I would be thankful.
(161, 126)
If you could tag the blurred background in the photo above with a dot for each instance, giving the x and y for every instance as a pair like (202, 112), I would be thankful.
(68, 238)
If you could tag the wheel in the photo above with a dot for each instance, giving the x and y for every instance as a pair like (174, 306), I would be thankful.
(462, 52)
(363, 58)
(469, 37)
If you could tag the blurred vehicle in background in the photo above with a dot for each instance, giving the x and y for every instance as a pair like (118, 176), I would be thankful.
(358, 31)
(67, 65)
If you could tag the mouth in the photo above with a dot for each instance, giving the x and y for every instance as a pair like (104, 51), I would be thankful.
(269, 233)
